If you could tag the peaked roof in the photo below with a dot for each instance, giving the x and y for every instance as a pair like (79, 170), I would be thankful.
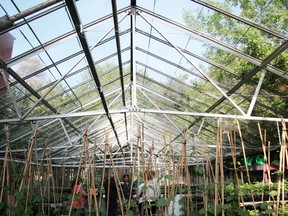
(125, 74)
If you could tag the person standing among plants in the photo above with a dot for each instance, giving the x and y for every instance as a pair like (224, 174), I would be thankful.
(126, 187)
(80, 196)
(147, 194)
(111, 195)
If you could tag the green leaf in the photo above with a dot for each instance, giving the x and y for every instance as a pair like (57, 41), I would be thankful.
(182, 190)
(151, 187)
(171, 199)
(199, 170)
(264, 206)
(19, 195)
(145, 187)
(168, 177)
(55, 211)
(202, 211)
(273, 193)
(130, 213)
(269, 211)
(162, 202)
(36, 198)
(102, 211)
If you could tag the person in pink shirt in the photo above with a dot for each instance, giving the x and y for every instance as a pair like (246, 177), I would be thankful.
(80, 197)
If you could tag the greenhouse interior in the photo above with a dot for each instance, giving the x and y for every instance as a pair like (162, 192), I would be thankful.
(143, 107)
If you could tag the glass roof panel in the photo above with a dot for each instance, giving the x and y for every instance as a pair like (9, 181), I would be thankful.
(168, 8)
(53, 28)
(174, 63)
(65, 49)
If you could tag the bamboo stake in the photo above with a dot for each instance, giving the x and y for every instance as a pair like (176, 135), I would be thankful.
(187, 174)
(165, 171)
(29, 153)
(280, 142)
(87, 170)
(179, 169)
(5, 170)
(133, 169)
(283, 172)
(28, 158)
(267, 165)
(42, 191)
(171, 191)
(269, 162)
(217, 168)
(232, 142)
(103, 174)
(63, 176)
(205, 196)
(52, 177)
(117, 181)
(246, 167)
(38, 174)
(150, 166)
(197, 177)
(48, 182)
(107, 193)
(282, 167)
(143, 168)
(210, 174)
(91, 161)
(10, 197)
(28, 187)
(221, 168)
(85, 137)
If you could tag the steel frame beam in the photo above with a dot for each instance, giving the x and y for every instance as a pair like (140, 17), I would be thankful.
(131, 110)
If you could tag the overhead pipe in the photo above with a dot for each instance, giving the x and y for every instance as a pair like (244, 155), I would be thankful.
(8, 21)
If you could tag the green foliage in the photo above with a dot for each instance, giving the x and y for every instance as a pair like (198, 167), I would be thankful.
(129, 213)
(199, 170)
(102, 211)
(144, 188)
(231, 206)
(163, 202)
(168, 177)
